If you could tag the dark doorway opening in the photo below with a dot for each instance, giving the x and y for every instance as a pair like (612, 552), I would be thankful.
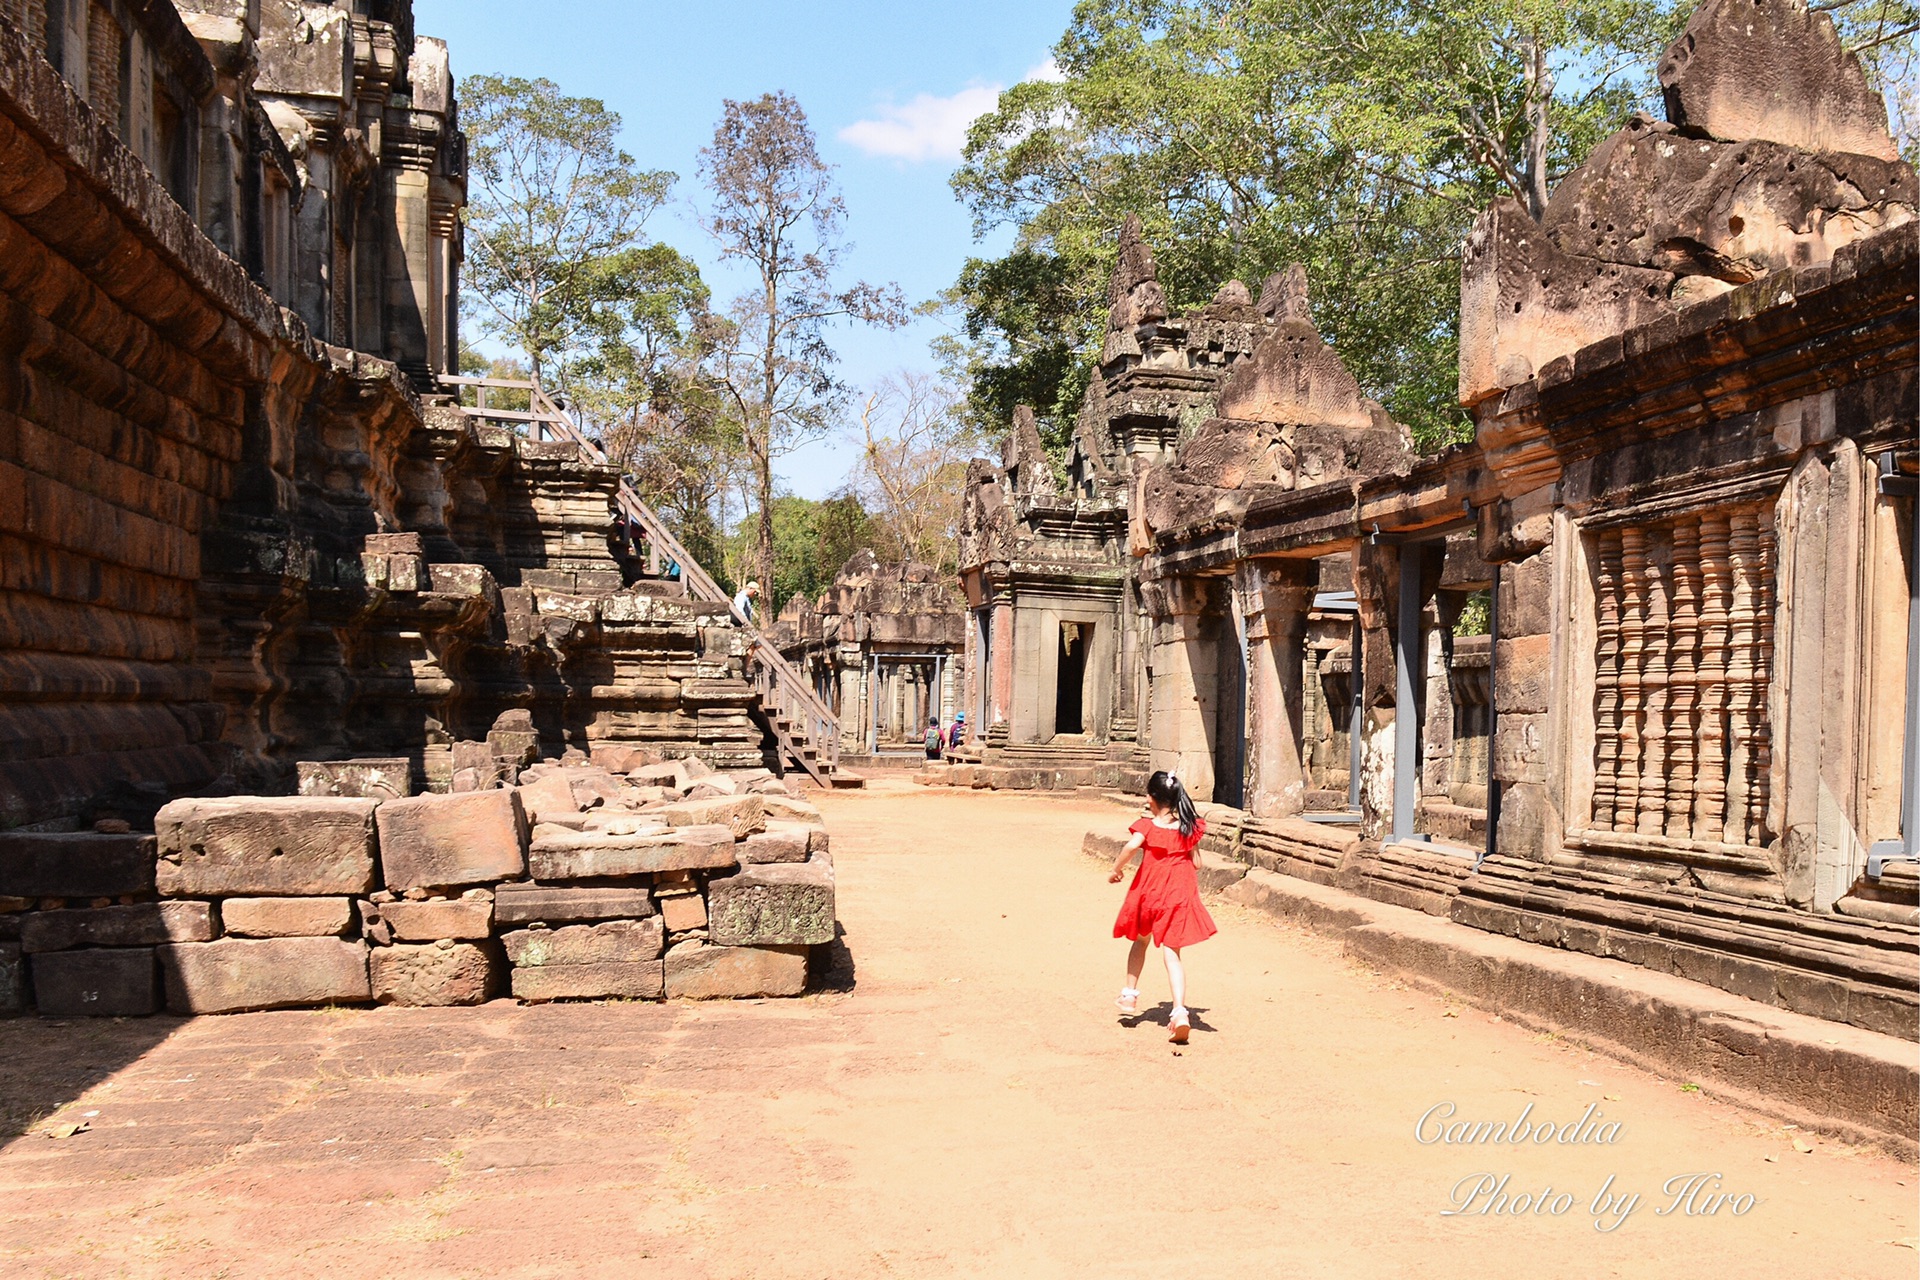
(1075, 639)
(1230, 715)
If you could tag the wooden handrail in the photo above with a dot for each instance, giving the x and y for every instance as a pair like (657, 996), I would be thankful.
(782, 689)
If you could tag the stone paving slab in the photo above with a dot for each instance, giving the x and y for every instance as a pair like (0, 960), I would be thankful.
(958, 1099)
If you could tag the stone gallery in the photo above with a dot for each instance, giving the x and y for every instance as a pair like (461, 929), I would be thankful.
(256, 539)
(882, 648)
(1634, 672)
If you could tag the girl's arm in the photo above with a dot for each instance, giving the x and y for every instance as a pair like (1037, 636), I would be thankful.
(1133, 844)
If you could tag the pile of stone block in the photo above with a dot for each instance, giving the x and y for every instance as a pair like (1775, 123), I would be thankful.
(578, 883)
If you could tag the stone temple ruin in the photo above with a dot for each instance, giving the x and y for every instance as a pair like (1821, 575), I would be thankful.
(881, 647)
(1686, 735)
(258, 539)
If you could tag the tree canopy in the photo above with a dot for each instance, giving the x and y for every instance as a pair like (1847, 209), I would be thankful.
(1358, 137)
(556, 224)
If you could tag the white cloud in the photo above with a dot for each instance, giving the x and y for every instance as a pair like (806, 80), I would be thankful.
(925, 128)
(1048, 70)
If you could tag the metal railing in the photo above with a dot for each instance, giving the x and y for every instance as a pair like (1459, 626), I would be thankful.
(798, 716)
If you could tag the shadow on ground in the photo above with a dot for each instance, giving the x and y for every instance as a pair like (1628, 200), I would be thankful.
(1161, 1015)
(46, 1063)
(831, 968)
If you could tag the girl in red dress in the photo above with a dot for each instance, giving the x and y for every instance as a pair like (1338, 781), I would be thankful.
(1163, 902)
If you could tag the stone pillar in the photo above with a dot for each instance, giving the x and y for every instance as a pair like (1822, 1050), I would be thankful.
(1278, 596)
(1002, 661)
(853, 702)
(1185, 663)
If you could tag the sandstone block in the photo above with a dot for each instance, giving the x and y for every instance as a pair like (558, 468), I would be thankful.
(639, 980)
(286, 917)
(774, 846)
(742, 815)
(263, 973)
(683, 911)
(13, 979)
(783, 904)
(140, 924)
(116, 983)
(614, 942)
(434, 920)
(382, 779)
(270, 846)
(546, 904)
(437, 841)
(551, 796)
(437, 974)
(592, 787)
(731, 973)
(671, 775)
(1523, 675)
(589, 855)
(779, 806)
(79, 864)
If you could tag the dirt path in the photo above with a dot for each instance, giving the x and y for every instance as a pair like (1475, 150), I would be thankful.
(972, 1107)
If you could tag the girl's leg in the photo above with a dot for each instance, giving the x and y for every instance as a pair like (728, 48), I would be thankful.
(1176, 977)
(1136, 961)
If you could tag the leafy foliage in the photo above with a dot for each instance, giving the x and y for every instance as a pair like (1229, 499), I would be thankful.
(774, 207)
(811, 540)
(558, 211)
(1358, 138)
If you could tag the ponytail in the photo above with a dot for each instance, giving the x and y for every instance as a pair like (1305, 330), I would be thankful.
(1168, 793)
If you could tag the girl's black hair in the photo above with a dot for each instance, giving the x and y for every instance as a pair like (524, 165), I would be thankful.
(1166, 791)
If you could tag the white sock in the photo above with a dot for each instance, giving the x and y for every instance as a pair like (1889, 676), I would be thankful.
(1128, 991)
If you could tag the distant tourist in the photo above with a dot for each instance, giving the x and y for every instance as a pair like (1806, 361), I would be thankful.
(1163, 902)
(958, 734)
(743, 603)
(934, 738)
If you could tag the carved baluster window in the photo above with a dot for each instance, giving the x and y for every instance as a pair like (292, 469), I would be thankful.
(1760, 759)
(1606, 698)
(1653, 695)
(1683, 691)
(1633, 641)
(1683, 652)
(1716, 599)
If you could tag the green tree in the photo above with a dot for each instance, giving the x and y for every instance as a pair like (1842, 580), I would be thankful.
(811, 540)
(1358, 138)
(775, 209)
(556, 211)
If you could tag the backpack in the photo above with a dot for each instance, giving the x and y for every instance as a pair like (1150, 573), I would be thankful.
(933, 737)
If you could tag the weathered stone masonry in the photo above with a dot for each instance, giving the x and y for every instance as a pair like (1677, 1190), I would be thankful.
(1689, 504)
(239, 553)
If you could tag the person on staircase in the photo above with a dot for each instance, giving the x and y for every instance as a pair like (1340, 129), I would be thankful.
(743, 604)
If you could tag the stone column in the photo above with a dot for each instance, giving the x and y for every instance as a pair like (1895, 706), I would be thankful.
(1278, 595)
(1185, 662)
(1002, 661)
(853, 703)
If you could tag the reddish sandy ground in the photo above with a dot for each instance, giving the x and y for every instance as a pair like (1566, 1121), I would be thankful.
(970, 1107)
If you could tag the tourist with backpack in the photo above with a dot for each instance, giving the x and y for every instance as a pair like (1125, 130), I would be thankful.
(934, 738)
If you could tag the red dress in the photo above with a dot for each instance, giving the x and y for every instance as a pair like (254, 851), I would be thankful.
(1164, 899)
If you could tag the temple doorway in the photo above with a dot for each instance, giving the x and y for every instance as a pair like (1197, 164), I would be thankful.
(1069, 694)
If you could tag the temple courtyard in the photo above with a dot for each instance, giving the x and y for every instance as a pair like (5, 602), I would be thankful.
(957, 1097)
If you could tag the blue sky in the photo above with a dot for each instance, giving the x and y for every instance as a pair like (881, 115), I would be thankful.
(888, 88)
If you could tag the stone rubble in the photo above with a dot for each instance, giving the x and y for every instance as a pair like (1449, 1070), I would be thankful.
(578, 883)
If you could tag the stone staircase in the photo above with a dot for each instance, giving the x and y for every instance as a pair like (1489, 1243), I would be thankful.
(808, 733)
